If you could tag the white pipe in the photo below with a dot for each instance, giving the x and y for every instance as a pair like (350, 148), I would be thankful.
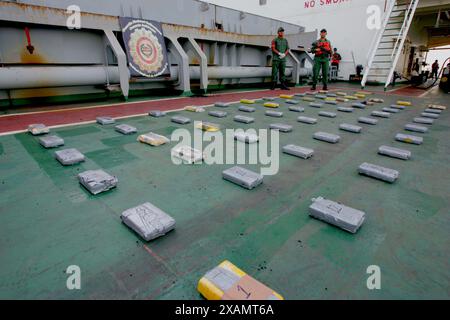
(45, 77)
(229, 73)
(235, 72)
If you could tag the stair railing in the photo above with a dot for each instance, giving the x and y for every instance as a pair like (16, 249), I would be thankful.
(376, 42)
(409, 15)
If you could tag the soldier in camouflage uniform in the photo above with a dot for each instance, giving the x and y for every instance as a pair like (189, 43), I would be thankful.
(322, 50)
(280, 49)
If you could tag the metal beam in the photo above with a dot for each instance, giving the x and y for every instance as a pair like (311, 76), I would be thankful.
(183, 66)
(124, 72)
(296, 68)
(27, 13)
(203, 63)
(438, 19)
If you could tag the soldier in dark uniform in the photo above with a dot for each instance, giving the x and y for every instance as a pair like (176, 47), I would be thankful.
(280, 49)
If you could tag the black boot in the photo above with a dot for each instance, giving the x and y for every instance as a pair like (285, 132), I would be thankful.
(313, 87)
(284, 86)
(274, 84)
(325, 87)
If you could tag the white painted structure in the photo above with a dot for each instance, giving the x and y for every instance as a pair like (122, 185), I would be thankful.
(348, 23)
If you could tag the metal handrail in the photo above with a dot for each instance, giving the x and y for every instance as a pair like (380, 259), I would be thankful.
(411, 10)
(402, 28)
(375, 44)
(387, 16)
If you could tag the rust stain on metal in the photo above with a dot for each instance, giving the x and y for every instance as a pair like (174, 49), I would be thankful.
(30, 8)
(211, 57)
(27, 58)
(34, 93)
(44, 15)
(215, 34)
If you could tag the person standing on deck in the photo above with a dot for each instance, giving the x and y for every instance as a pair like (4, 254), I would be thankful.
(416, 66)
(322, 51)
(280, 49)
(336, 59)
(435, 69)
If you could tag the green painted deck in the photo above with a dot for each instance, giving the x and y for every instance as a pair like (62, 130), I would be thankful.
(48, 221)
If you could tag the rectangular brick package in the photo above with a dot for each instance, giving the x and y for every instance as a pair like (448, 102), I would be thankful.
(243, 119)
(394, 152)
(217, 114)
(125, 129)
(296, 109)
(97, 181)
(307, 120)
(69, 157)
(281, 127)
(416, 128)
(367, 120)
(105, 120)
(327, 114)
(38, 129)
(243, 177)
(51, 141)
(378, 172)
(227, 282)
(350, 128)
(337, 214)
(148, 221)
(297, 151)
(188, 154)
(327, 137)
(180, 120)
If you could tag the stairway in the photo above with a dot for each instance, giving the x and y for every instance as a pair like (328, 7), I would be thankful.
(387, 47)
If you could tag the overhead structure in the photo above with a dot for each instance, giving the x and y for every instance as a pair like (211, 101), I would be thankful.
(207, 46)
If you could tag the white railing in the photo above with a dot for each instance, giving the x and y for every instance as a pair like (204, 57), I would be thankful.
(376, 42)
(402, 28)
(409, 15)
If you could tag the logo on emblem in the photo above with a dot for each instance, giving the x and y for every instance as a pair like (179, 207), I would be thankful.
(146, 47)
(146, 51)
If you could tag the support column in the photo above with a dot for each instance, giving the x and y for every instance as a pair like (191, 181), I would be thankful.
(203, 64)
(296, 68)
(183, 67)
(239, 53)
(124, 72)
(223, 61)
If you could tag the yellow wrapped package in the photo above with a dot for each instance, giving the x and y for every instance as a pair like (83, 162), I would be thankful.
(342, 94)
(271, 105)
(153, 139)
(366, 93)
(404, 103)
(360, 96)
(228, 282)
(330, 99)
(437, 107)
(342, 100)
(351, 97)
(247, 101)
(309, 99)
(194, 109)
(286, 96)
(323, 91)
(208, 126)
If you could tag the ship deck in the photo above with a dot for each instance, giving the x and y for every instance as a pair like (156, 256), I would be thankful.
(49, 222)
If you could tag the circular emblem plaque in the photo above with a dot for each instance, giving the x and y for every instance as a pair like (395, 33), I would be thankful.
(146, 51)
